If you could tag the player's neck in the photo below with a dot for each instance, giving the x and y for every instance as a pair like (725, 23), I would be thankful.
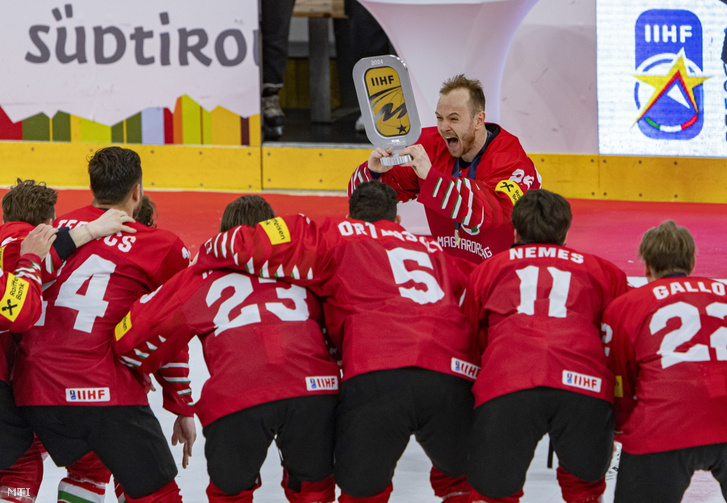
(480, 140)
(127, 206)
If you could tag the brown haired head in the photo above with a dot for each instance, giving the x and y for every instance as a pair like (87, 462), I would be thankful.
(373, 201)
(542, 217)
(146, 213)
(246, 210)
(30, 202)
(473, 86)
(668, 249)
(113, 171)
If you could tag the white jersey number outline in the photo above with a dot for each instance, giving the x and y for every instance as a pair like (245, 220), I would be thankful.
(90, 305)
(529, 290)
(242, 288)
(688, 315)
(397, 258)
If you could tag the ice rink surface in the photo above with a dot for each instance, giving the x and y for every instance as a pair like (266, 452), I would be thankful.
(609, 229)
(411, 482)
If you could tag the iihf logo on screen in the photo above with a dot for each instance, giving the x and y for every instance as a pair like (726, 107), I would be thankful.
(669, 94)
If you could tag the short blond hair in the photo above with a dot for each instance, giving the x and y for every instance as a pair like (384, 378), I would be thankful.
(473, 86)
(668, 249)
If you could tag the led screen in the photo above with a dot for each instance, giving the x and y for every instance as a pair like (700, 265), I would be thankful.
(662, 77)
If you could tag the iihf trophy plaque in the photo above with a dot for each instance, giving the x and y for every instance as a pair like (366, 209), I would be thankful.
(387, 105)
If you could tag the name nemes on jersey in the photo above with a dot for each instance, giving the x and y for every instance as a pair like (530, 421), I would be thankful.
(540, 251)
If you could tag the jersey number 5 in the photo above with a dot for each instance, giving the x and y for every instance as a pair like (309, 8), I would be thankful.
(429, 295)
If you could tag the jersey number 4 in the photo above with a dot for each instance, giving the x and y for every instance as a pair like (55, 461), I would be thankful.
(89, 304)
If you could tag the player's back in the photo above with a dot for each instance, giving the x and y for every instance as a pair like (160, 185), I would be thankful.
(261, 338)
(676, 342)
(66, 359)
(392, 300)
(540, 309)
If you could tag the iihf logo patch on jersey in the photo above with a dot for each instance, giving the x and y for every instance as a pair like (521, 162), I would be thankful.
(321, 383)
(464, 368)
(668, 94)
(582, 381)
(87, 395)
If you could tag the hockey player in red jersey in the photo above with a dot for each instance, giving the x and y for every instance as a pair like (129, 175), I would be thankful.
(271, 374)
(20, 308)
(467, 173)
(20, 299)
(667, 347)
(104, 408)
(26, 205)
(538, 307)
(391, 305)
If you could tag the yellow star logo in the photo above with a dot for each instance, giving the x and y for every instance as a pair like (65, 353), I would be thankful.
(662, 83)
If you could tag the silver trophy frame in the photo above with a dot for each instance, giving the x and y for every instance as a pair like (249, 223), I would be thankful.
(393, 79)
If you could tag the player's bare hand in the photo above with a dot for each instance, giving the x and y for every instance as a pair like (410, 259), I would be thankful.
(39, 241)
(111, 222)
(420, 162)
(375, 160)
(184, 432)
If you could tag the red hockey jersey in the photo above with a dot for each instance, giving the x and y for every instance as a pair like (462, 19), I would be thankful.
(11, 235)
(67, 358)
(20, 305)
(538, 309)
(468, 213)
(667, 346)
(261, 338)
(391, 299)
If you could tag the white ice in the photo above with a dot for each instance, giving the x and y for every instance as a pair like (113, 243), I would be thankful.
(411, 482)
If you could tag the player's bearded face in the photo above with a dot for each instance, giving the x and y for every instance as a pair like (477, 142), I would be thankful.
(455, 122)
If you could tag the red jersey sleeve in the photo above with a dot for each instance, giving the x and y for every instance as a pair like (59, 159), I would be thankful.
(503, 175)
(20, 297)
(140, 347)
(176, 385)
(290, 247)
(138, 344)
(402, 178)
(621, 361)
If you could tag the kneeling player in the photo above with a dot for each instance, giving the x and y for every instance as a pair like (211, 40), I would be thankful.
(668, 351)
(25, 206)
(538, 309)
(272, 376)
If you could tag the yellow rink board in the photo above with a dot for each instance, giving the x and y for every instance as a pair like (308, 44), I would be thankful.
(328, 168)
(164, 166)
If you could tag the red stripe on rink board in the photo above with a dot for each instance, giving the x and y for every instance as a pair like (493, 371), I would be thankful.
(613, 230)
(610, 229)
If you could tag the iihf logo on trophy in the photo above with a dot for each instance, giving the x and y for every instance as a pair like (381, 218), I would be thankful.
(387, 101)
(668, 94)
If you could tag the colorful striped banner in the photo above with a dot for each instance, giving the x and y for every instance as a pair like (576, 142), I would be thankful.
(187, 124)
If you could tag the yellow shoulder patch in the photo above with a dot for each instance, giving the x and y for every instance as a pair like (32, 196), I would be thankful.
(123, 326)
(618, 389)
(16, 291)
(277, 230)
(510, 188)
(2, 255)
